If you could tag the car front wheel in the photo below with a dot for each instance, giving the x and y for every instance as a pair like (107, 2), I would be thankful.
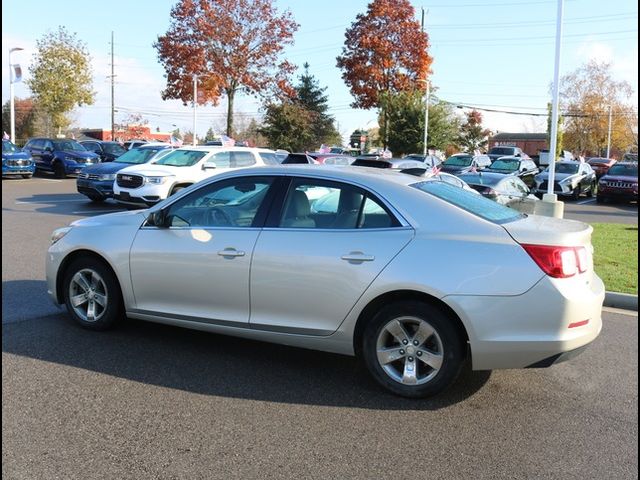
(412, 349)
(92, 294)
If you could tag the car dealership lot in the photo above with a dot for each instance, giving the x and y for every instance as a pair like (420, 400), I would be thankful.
(149, 400)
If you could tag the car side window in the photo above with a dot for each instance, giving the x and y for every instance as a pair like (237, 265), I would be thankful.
(92, 146)
(242, 159)
(229, 203)
(221, 159)
(332, 205)
(48, 144)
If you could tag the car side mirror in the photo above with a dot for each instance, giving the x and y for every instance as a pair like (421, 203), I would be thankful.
(157, 219)
(208, 165)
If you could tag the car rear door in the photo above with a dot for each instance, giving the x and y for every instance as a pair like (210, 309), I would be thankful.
(318, 254)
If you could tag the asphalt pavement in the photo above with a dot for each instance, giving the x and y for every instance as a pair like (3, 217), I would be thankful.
(153, 401)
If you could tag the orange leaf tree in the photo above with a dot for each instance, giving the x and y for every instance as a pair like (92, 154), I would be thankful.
(385, 52)
(232, 45)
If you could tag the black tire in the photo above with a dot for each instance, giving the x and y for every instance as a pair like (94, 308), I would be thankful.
(96, 199)
(27, 175)
(99, 280)
(600, 199)
(175, 190)
(445, 343)
(58, 170)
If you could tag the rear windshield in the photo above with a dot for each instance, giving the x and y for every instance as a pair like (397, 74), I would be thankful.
(458, 161)
(182, 158)
(502, 151)
(502, 164)
(472, 203)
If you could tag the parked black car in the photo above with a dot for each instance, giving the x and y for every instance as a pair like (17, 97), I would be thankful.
(619, 183)
(107, 151)
(62, 156)
(524, 169)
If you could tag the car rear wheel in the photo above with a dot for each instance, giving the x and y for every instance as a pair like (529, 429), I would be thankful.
(575, 195)
(96, 198)
(28, 175)
(600, 199)
(58, 170)
(412, 349)
(92, 294)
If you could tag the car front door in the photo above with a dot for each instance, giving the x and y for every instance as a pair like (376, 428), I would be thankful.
(195, 265)
(318, 254)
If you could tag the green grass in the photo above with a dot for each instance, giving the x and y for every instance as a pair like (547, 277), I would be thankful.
(615, 256)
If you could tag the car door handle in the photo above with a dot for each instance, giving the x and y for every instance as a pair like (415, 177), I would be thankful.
(357, 257)
(231, 252)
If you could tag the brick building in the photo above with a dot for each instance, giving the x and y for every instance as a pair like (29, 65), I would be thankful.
(132, 132)
(530, 143)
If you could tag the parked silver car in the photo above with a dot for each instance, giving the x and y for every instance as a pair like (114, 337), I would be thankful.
(413, 275)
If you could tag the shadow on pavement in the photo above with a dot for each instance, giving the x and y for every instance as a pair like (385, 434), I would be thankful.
(68, 203)
(218, 365)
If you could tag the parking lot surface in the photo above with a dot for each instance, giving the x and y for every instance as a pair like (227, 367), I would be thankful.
(152, 401)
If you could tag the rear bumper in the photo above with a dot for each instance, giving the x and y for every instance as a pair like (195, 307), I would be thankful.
(537, 328)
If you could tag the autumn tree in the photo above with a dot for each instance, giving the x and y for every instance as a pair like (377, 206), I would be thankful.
(26, 116)
(232, 45)
(472, 134)
(311, 97)
(60, 75)
(586, 96)
(385, 52)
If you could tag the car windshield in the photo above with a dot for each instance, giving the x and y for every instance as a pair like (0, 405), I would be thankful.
(472, 203)
(565, 168)
(502, 164)
(68, 146)
(624, 170)
(113, 148)
(8, 147)
(459, 161)
(501, 151)
(182, 158)
(138, 156)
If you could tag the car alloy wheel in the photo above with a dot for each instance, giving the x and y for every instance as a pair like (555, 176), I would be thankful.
(409, 350)
(413, 348)
(92, 294)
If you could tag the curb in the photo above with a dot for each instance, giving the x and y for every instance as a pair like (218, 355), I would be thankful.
(625, 301)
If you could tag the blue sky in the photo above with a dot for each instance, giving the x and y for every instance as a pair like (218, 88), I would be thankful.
(495, 54)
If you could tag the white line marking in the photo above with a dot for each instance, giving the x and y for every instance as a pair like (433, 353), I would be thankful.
(584, 202)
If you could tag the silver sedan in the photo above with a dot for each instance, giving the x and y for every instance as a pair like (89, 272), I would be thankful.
(413, 275)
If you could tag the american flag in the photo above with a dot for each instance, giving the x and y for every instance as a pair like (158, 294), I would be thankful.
(435, 170)
(227, 141)
(175, 141)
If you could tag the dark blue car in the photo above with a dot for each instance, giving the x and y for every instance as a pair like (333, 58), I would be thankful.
(15, 161)
(62, 156)
(96, 181)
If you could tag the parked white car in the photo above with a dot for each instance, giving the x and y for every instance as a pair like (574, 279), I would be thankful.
(413, 275)
(146, 185)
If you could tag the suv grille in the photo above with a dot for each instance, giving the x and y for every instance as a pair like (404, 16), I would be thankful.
(619, 184)
(129, 181)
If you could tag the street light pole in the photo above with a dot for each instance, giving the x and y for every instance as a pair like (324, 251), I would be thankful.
(609, 133)
(195, 105)
(550, 205)
(426, 120)
(12, 112)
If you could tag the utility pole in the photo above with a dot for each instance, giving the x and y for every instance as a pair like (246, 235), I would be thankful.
(425, 150)
(195, 105)
(609, 133)
(113, 123)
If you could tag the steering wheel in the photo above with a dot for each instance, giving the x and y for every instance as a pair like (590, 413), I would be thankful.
(217, 217)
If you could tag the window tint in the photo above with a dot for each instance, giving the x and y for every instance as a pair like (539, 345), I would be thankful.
(230, 203)
(242, 159)
(332, 205)
(94, 147)
(475, 204)
(269, 158)
(221, 159)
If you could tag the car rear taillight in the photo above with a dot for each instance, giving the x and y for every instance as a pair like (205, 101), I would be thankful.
(559, 262)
